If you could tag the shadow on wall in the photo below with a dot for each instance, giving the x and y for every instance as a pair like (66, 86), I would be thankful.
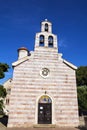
(85, 119)
(83, 123)
(82, 128)
(4, 120)
(82, 112)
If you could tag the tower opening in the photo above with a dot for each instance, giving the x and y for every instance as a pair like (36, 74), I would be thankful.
(50, 41)
(46, 27)
(41, 40)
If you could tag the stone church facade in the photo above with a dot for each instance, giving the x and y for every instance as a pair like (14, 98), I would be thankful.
(44, 85)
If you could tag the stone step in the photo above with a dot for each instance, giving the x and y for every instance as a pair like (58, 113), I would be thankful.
(44, 126)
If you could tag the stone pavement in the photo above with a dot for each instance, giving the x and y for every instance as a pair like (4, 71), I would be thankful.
(42, 128)
(2, 127)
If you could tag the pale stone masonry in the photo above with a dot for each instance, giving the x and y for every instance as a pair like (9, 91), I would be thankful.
(43, 74)
(7, 85)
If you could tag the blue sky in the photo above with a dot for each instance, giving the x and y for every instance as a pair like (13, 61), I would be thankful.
(20, 21)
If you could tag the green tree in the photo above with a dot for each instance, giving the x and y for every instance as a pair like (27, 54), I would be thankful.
(3, 68)
(2, 96)
(81, 76)
(2, 92)
(82, 97)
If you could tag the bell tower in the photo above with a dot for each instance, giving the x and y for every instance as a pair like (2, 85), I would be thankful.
(45, 38)
(46, 26)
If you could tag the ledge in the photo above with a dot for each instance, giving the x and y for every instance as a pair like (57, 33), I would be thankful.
(20, 61)
(70, 64)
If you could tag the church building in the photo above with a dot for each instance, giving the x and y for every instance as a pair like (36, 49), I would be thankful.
(44, 85)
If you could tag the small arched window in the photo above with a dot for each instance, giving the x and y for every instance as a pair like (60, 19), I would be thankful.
(41, 40)
(50, 41)
(46, 27)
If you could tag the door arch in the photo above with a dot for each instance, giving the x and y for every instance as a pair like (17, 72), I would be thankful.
(44, 110)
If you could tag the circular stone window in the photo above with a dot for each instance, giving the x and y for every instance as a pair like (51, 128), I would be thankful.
(44, 72)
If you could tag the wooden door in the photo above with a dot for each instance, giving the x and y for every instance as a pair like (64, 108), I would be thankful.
(44, 113)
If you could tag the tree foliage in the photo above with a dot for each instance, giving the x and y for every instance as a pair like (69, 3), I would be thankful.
(2, 96)
(1, 105)
(82, 97)
(3, 68)
(2, 92)
(81, 76)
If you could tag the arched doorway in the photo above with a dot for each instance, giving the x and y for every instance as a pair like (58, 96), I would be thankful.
(45, 110)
